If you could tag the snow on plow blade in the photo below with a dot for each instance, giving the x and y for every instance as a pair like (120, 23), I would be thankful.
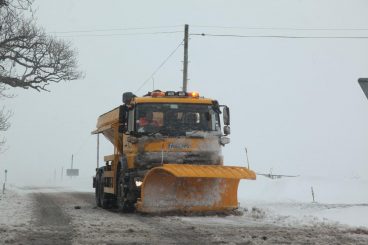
(191, 188)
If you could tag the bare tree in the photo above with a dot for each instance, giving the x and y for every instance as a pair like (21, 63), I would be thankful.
(4, 116)
(29, 58)
(4, 125)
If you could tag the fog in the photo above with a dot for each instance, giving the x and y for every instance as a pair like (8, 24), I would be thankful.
(295, 103)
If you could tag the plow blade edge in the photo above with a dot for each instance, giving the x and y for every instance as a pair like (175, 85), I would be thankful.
(191, 188)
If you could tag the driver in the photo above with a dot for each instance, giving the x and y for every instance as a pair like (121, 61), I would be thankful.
(146, 122)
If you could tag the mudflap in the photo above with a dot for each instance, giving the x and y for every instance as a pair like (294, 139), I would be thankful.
(191, 188)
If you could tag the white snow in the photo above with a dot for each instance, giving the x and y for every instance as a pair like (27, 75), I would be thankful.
(341, 200)
(284, 202)
(15, 213)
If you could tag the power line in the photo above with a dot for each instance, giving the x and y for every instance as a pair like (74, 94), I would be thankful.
(280, 28)
(159, 67)
(117, 29)
(105, 32)
(279, 36)
(122, 34)
(211, 27)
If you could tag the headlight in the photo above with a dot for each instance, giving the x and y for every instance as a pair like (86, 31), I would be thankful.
(138, 182)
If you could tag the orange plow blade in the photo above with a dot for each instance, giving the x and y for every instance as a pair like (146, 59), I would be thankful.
(191, 188)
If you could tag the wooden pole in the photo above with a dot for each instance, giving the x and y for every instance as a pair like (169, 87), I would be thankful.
(185, 63)
(98, 149)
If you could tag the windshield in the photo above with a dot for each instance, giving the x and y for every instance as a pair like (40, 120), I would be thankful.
(175, 119)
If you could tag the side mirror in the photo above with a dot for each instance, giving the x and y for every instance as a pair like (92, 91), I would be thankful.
(127, 97)
(226, 115)
(226, 129)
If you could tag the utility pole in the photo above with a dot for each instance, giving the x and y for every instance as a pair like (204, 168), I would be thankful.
(185, 63)
(6, 173)
(98, 149)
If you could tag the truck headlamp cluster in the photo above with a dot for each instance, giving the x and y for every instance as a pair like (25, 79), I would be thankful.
(173, 94)
(138, 182)
(189, 94)
(181, 94)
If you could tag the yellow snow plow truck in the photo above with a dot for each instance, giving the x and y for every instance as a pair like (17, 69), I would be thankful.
(167, 155)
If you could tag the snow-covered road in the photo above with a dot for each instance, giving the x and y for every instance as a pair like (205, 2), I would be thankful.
(61, 216)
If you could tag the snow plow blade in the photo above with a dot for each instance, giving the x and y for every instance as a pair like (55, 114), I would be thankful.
(191, 188)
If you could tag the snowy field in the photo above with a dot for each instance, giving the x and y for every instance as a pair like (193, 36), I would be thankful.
(281, 209)
(284, 200)
(341, 200)
(15, 214)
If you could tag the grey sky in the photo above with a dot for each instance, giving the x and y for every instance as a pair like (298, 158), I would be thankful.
(295, 103)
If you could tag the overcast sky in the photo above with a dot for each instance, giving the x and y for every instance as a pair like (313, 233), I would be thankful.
(295, 103)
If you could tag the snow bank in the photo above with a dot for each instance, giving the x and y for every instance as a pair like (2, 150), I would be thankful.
(349, 190)
(341, 200)
(15, 214)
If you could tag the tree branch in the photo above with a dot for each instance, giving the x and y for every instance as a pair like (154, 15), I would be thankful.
(28, 57)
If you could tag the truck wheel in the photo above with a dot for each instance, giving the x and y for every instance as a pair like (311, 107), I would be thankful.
(103, 197)
(97, 190)
(122, 203)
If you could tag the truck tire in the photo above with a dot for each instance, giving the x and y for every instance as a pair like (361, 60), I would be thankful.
(123, 204)
(97, 189)
(103, 197)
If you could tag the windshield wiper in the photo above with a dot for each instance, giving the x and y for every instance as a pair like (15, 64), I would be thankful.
(159, 131)
(196, 133)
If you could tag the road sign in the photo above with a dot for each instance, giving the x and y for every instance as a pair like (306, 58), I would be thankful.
(72, 172)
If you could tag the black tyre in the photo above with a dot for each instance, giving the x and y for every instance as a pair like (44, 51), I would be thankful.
(103, 197)
(97, 190)
(123, 204)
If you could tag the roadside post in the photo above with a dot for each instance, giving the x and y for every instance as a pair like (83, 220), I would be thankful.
(6, 173)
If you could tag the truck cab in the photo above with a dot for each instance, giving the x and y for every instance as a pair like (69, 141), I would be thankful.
(164, 127)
